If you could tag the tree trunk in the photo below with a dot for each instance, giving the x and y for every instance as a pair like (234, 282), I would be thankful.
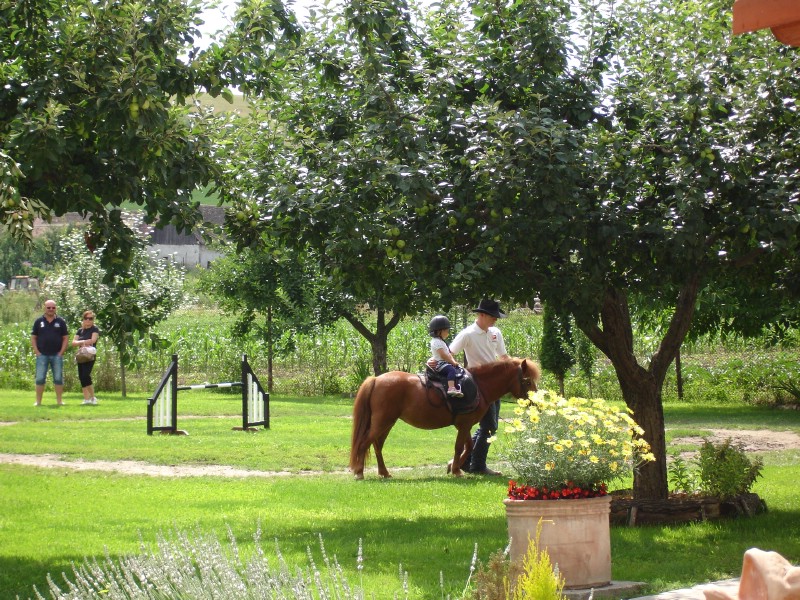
(643, 397)
(379, 343)
(270, 349)
(122, 379)
(641, 388)
(378, 340)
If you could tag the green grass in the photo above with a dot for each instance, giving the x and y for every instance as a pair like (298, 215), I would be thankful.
(422, 520)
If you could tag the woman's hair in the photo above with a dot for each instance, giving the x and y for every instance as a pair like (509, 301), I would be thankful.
(87, 314)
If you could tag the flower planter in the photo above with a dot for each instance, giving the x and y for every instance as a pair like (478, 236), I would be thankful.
(575, 532)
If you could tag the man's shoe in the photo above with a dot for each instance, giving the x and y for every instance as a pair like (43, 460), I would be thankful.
(487, 471)
(89, 401)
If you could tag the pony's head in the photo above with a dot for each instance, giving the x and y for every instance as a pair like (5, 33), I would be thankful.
(528, 376)
(522, 374)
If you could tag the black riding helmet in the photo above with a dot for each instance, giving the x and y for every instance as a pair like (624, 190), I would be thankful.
(438, 323)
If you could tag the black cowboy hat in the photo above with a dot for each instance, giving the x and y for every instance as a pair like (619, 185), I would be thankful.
(491, 308)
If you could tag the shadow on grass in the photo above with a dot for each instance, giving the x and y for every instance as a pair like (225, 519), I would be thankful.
(666, 557)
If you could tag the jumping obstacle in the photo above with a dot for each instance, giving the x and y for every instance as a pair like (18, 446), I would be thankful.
(162, 406)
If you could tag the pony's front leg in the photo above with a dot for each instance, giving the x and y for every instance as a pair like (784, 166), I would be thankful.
(461, 452)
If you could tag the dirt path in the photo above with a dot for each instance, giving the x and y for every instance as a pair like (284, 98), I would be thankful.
(751, 440)
(134, 467)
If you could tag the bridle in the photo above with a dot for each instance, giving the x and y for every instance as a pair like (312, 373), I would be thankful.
(525, 383)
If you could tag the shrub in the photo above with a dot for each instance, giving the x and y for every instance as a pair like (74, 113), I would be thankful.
(682, 476)
(198, 566)
(532, 578)
(725, 470)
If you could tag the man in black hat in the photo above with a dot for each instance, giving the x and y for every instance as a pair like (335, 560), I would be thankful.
(482, 343)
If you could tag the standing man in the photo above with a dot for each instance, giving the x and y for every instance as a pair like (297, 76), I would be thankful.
(49, 341)
(482, 343)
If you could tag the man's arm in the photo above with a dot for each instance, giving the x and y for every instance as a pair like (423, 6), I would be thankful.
(459, 343)
(64, 342)
(34, 346)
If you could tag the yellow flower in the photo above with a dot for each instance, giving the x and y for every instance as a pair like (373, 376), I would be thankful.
(594, 459)
(566, 443)
(580, 433)
(549, 466)
(558, 447)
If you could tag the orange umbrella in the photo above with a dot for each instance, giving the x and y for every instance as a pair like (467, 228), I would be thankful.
(781, 16)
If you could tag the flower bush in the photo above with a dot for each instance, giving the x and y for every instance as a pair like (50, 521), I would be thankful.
(571, 448)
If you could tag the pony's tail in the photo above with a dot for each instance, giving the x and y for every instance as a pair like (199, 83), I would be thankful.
(362, 415)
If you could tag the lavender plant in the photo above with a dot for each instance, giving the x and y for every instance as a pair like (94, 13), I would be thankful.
(198, 566)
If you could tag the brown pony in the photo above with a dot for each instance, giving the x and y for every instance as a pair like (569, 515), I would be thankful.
(399, 395)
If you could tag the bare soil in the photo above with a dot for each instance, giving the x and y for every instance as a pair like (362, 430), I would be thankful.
(750, 440)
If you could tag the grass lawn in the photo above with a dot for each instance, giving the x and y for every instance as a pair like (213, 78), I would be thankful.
(419, 522)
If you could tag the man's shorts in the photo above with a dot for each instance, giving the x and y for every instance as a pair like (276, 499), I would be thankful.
(54, 361)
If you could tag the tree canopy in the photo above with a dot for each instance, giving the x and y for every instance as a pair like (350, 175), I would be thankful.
(606, 155)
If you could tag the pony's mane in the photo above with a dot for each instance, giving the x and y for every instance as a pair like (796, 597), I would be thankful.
(487, 367)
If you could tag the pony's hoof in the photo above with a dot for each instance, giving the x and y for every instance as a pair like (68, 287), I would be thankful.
(449, 466)
(458, 473)
(359, 476)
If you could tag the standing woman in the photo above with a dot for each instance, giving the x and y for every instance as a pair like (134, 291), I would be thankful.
(87, 335)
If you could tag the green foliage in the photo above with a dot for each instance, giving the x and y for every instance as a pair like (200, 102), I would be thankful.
(682, 477)
(93, 116)
(726, 470)
(128, 303)
(532, 578)
(539, 579)
(35, 259)
(558, 346)
(17, 307)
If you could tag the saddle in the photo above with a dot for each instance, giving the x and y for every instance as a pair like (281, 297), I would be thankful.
(457, 406)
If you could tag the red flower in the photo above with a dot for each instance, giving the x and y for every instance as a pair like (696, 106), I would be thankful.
(569, 491)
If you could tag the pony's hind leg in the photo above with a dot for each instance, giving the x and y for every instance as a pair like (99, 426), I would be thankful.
(378, 445)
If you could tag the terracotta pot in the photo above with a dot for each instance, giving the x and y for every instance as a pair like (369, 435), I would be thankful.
(576, 534)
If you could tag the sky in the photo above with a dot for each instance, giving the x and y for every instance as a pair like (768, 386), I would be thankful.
(220, 18)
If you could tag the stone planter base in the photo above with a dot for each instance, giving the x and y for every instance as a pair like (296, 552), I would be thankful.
(686, 509)
(576, 534)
